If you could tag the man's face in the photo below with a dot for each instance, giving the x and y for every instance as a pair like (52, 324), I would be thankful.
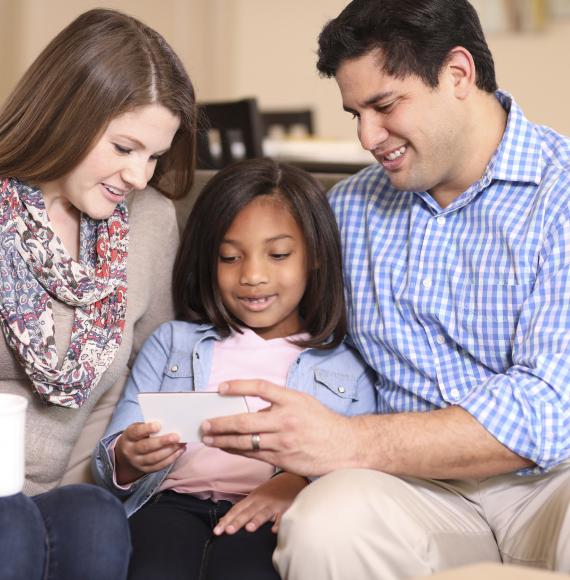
(413, 130)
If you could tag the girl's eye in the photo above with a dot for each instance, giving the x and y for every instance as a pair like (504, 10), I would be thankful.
(280, 256)
(228, 259)
(155, 157)
(121, 149)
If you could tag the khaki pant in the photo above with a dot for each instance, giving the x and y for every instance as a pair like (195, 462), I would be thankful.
(364, 524)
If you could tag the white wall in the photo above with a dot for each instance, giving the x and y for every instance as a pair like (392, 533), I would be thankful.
(266, 48)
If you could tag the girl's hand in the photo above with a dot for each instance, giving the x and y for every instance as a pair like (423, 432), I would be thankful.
(267, 502)
(136, 453)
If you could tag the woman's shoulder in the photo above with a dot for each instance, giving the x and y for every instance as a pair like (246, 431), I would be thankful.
(149, 207)
(153, 230)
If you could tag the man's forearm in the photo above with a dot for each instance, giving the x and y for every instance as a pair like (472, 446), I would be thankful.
(444, 444)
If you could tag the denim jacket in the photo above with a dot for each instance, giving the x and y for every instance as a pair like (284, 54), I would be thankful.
(178, 357)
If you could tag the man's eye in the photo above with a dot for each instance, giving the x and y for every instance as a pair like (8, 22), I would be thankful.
(121, 149)
(386, 108)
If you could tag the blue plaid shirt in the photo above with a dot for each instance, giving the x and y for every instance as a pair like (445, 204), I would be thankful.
(470, 305)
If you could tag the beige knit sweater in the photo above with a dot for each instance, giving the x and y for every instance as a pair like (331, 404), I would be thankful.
(59, 441)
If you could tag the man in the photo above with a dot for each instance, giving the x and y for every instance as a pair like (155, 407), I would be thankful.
(457, 267)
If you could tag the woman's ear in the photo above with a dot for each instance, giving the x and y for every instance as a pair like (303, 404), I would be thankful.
(459, 70)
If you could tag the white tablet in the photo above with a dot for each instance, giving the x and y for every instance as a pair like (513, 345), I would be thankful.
(183, 413)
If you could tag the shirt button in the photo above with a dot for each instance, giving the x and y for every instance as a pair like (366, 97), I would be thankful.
(341, 390)
(454, 394)
(440, 220)
(426, 283)
(440, 339)
(174, 369)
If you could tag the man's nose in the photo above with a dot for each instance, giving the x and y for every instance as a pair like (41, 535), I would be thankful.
(371, 132)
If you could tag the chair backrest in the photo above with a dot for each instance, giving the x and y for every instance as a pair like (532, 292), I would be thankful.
(236, 123)
(288, 120)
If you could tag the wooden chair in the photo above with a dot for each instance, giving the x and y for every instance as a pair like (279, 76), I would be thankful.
(288, 120)
(239, 128)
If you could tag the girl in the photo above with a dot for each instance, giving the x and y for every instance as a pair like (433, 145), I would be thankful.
(258, 289)
(106, 108)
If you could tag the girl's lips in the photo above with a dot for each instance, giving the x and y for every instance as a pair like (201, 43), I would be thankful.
(257, 304)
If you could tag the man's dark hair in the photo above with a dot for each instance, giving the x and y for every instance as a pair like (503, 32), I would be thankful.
(414, 37)
(196, 293)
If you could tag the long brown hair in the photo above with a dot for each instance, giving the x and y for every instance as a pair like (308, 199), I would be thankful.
(196, 293)
(102, 65)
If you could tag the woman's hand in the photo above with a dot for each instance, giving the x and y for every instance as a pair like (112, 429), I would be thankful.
(267, 502)
(136, 453)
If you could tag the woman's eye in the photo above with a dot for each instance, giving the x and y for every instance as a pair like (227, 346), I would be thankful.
(280, 256)
(121, 149)
(228, 259)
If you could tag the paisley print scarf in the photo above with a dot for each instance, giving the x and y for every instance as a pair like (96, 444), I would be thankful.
(35, 268)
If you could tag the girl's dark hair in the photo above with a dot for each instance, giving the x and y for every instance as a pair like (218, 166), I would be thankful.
(196, 293)
(102, 65)
(414, 37)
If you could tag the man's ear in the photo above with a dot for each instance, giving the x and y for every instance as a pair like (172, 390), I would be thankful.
(459, 68)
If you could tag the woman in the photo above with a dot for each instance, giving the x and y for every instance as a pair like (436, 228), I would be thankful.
(86, 260)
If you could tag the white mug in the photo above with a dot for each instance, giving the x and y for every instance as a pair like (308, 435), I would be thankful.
(12, 439)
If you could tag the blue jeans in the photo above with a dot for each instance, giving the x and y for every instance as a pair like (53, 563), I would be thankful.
(72, 532)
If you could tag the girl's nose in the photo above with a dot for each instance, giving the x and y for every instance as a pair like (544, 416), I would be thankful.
(253, 273)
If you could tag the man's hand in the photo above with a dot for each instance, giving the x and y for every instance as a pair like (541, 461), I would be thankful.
(296, 432)
(268, 502)
(136, 453)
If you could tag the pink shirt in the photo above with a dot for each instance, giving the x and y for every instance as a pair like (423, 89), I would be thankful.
(214, 474)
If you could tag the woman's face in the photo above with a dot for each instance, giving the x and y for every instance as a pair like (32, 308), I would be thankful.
(123, 159)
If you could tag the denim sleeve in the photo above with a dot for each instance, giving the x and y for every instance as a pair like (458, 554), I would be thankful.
(146, 375)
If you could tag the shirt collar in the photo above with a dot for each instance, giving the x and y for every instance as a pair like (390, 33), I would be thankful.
(519, 155)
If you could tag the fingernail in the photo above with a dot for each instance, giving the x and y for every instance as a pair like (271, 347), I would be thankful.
(217, 530)
(207, 440)
(223, 387)
(205, 426)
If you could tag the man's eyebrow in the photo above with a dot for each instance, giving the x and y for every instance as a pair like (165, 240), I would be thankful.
(378, 97)
(372, 100)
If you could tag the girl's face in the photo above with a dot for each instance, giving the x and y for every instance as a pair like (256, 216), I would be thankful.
(123, 159)
(262, 269)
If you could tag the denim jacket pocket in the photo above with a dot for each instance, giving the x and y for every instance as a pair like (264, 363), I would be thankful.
(178, 374)
(335, 390)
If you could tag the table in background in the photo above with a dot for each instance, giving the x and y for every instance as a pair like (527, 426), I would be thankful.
(320, 155)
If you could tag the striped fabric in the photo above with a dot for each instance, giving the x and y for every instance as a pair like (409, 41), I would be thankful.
(470, 305)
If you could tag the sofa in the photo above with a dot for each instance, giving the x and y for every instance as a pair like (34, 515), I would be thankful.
(78, 468)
